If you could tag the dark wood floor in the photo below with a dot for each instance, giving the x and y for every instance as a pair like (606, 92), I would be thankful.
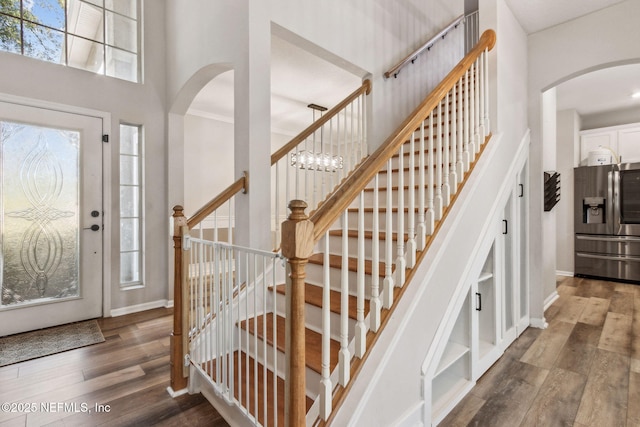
(129, 372)
(583, 370)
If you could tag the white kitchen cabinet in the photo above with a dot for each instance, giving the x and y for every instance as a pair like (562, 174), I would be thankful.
(623, 140)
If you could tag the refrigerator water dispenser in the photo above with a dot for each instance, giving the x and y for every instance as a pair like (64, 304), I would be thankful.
(593, 210)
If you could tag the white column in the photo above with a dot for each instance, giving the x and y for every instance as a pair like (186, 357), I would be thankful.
(252, 127)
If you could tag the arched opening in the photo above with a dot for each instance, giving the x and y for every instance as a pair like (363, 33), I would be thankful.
(599, 97)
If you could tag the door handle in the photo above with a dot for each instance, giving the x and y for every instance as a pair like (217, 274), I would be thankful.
(521, 190)
(506, 226)
(478, 301)
(94, 227)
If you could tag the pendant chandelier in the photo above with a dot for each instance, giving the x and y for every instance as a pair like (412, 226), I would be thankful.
(319, 161)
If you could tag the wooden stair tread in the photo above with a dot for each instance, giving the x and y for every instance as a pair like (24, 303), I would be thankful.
(313, 296)
(313, 340)
(273, 388)
(335, 261)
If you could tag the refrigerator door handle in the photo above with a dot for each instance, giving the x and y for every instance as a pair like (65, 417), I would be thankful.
(613, 203)
(614, 187)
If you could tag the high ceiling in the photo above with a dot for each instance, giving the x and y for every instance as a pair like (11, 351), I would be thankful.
(596, 92)
(299, 78)
(536, 15)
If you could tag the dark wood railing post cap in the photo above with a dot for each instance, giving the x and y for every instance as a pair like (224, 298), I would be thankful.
(297, 232)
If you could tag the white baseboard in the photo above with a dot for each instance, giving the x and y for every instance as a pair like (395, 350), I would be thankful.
(538, 323)
(564, 273)
(175, 394)
(169, 304)
(550, 300)
(140, 307)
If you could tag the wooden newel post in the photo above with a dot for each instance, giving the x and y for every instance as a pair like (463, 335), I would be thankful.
(178, 379)
(297, 246)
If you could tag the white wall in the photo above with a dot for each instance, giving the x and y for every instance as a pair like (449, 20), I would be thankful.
(548, 231)
(208, 159)
(567, 148)
(610, 118)
(558, 54)
(126, 102)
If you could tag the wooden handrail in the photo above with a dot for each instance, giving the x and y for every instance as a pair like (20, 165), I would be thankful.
(412, 57)
(365, 88)
(242, 184)
(349, 189)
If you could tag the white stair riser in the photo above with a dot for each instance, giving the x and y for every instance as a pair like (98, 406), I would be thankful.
(315, 275)
(335, 247)
(382, 198)
(352, 220)
(312, 377)
(313, 318)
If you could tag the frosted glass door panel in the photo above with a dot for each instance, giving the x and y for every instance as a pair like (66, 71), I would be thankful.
(51, 217)
(39, 213)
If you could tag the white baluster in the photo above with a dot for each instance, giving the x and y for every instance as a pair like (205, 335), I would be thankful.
(388, 283)
(446, 192)
(487, 125)
(481, 128)
(277, 207)
(437, 201)
(472, 114)
(476, 103)
(365, 148)
(401, 263)
(453, 174)
(340, 148)
(411, 242)
(274, 331)
(375, 303)
(361, 329)
(460, 168)
(421, 231)
(467, 118)
(344, 358)
(326, 386)
(430, 218)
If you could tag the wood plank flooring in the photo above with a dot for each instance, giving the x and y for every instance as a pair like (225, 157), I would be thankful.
(127, 375)
(583, 370)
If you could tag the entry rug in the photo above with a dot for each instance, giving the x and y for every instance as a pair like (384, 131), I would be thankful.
(43, 342)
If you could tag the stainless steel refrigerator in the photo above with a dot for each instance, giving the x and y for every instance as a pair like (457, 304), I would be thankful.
(607, 221)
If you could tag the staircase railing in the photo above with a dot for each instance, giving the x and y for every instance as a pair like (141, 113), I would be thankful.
(313, 163)
(395, 70)
(184, 270)
(234, 331)
(450, 127)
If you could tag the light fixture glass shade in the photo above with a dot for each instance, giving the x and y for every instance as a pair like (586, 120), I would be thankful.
(316, 161)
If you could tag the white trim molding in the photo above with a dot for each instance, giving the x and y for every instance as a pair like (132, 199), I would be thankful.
(141, 307)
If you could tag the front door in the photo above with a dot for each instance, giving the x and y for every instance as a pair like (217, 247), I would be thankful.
(50, 218)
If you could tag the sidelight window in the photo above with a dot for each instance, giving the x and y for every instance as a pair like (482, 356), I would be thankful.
(131, 209)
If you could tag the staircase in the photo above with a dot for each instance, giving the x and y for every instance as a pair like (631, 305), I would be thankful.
(350, 262)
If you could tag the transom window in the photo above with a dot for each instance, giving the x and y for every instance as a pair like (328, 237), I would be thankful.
(102, 36)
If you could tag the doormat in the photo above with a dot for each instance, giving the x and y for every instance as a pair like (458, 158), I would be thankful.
(44, 342)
